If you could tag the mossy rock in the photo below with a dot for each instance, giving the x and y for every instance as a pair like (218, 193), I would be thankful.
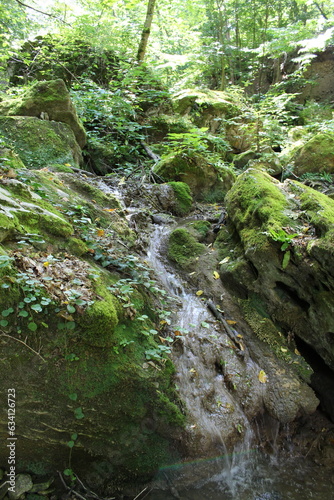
(40, 143)
(162, 125)
(257, 203)
(195, 170)
(50, 100)
(316, 155)
(183, 197)
(205, 107)
(183, 248)
(10, 160)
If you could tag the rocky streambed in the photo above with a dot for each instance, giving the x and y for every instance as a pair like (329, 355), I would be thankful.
(137, 338)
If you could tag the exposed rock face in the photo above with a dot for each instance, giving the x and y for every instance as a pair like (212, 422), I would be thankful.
(47, 100)
(282, 263)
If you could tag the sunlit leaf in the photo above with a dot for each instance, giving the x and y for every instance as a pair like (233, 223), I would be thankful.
(216, 275)
(262, 377)
(199, 293)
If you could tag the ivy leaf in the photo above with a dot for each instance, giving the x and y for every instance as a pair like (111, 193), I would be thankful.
(32, 326)
(79, 413)
(199, 293)
(205, 325)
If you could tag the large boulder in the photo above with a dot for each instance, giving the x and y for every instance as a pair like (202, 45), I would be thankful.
(78, 337)
(40, 143)
(47, 100)
(316, 155)
(206, 108)
(281, 263)
(195, 170)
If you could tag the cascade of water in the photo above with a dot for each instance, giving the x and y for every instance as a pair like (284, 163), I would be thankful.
(200, 386)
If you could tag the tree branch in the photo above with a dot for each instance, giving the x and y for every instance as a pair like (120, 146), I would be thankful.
(41, 12)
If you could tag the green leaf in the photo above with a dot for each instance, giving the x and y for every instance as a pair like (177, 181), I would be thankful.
(70, 444)
(32, 326)
(3, 322)
(73, 396)
(205, 325)
(79, 413)
(74, 436)
(37, 307)
(23, 314)
(286, 259)
(70, 309)
(7, 312)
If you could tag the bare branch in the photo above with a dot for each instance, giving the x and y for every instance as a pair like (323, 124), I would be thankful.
(41, 12)
(26, 345)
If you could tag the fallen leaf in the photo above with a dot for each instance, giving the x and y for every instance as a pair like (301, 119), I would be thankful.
(100, 232)
(283, 349)
(262, 377)
(177, 333)
(93, 201)
(231, 322)
(224, 261)
(239, 336)
(109, 209)
(216, 275)
(46, 264)
(199, 293)
(297, 352)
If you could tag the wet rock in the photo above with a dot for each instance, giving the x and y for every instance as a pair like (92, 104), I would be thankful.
(285, 247)
(23, 483)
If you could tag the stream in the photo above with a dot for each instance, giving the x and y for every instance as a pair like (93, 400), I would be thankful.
(203, 357)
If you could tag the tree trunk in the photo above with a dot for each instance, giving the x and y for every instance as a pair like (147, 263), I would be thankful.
(146, 31)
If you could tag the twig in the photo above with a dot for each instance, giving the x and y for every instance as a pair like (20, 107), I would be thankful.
(41, 12)
(26, 345)
(139, 494)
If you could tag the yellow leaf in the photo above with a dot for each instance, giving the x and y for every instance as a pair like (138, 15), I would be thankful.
(163, 322)
(93, 201)
(263, 377)
(199, 293)
(239, 336)
(100, 232)
(297, 352)
(122, 181)
(67, 164)
(283, 349)
(46, 264)
(231, 322)
(109, 209)
(216, 275)
(177, 333)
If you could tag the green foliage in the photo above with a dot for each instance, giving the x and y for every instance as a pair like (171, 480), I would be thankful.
(282, 237)
(197, 141)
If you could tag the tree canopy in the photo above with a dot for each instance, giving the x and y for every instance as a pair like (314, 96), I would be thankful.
(213, 43)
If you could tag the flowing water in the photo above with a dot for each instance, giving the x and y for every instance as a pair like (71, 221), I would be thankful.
(248, 473)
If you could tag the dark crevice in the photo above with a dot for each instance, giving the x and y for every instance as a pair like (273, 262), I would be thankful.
(322, 380)
(288, 294)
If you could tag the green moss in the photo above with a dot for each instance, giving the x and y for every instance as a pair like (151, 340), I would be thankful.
(9, 159)
(61, 168)
(183, 247)
(266, 331)
(257, 204)
(93, 193)
(100, 319)
(319, 209)
(183, 196)
(40, 143)
(317, 155)
(76, 247)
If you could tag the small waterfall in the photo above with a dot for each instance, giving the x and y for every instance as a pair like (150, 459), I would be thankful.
(210, 406)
